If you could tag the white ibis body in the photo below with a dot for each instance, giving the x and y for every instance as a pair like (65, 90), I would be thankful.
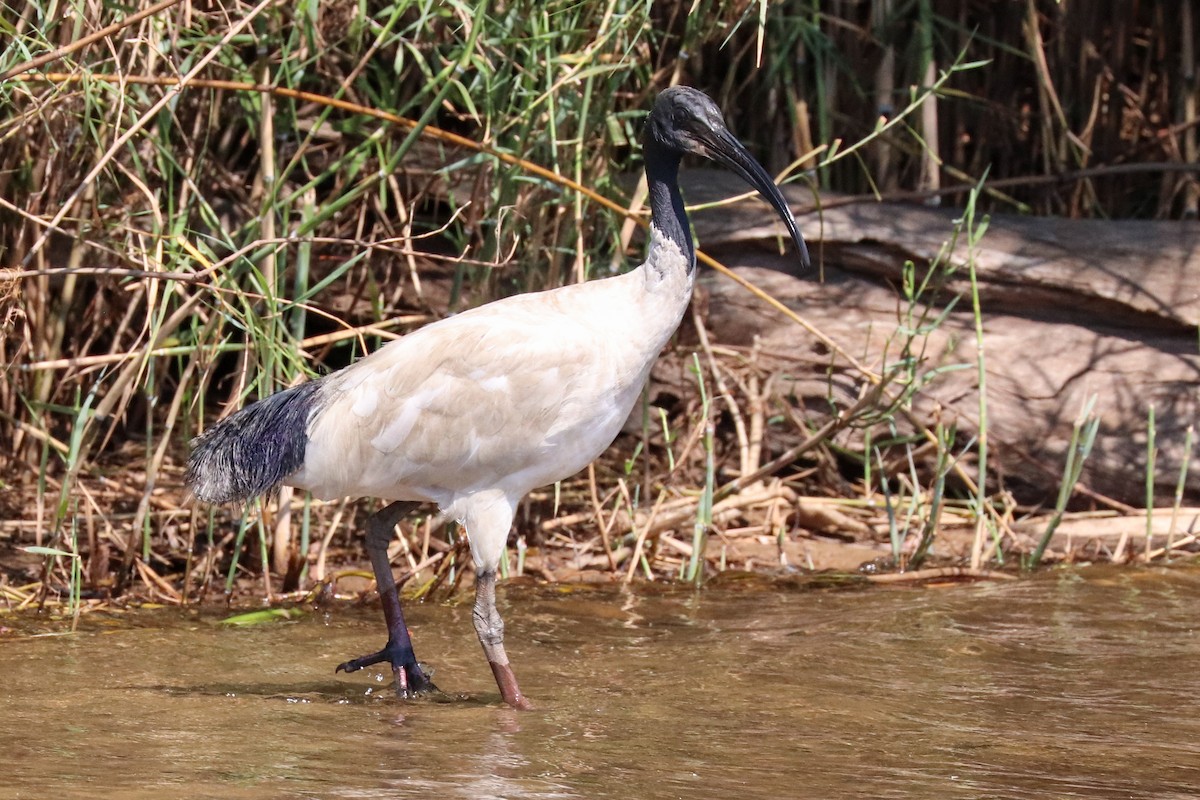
(474, 411)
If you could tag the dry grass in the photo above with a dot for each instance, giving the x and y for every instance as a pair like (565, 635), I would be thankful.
(176, 250)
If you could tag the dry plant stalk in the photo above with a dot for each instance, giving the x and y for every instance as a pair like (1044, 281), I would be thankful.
(200, 205)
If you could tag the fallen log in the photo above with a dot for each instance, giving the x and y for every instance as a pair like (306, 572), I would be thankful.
(1071, 309)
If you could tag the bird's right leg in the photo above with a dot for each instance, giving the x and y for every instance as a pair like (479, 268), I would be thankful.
(410, 678)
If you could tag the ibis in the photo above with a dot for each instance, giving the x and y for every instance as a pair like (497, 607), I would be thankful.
(473, 411)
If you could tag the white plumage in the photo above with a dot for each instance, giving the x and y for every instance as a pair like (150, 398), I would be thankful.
(514, 394)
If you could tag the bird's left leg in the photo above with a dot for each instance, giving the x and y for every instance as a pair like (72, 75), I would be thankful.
(410, 678)
(490, 628)
(487, 516)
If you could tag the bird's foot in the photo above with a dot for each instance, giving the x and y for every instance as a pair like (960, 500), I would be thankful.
(412, 678)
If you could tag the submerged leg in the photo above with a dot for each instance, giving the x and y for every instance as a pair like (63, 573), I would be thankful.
(490, 628)
(410, 679)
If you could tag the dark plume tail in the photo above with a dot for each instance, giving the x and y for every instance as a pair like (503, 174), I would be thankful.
(252, 452)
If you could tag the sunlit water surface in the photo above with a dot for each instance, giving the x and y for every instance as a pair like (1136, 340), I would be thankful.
(1067, 685)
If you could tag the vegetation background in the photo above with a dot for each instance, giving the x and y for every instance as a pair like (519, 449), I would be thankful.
(196, 208)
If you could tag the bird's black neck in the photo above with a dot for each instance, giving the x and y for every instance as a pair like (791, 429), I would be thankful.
(666, 204)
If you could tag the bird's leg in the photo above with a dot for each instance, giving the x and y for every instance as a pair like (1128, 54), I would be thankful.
(490, 628)
(410, 679)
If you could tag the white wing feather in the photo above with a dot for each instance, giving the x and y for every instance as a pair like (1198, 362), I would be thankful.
(510, 396)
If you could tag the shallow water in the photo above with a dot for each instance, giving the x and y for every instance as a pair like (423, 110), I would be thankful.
(1066, 685)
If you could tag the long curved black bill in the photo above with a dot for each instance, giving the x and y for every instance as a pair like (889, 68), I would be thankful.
(727, 150)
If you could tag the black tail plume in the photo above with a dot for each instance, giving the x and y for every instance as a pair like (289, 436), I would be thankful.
(252, 452)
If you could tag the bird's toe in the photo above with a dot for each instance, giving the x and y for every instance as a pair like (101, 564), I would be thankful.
(417, 681)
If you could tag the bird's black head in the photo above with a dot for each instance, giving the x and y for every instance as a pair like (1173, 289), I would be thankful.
(685, 120)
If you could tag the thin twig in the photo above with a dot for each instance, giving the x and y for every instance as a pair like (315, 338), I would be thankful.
(79, 44)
